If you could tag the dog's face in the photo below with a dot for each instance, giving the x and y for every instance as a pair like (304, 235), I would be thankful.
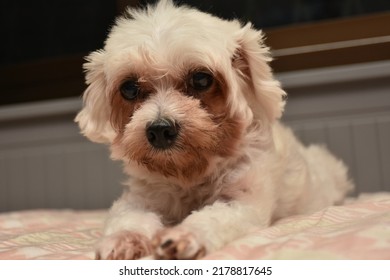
(174, 91)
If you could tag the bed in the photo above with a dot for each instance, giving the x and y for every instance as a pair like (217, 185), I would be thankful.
(360, 229)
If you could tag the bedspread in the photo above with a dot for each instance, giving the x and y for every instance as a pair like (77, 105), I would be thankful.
(360, 229)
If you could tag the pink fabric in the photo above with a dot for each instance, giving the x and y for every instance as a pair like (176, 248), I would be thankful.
(49, 234)
(358, 230)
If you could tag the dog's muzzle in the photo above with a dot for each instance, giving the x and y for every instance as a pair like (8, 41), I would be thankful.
(162, 133)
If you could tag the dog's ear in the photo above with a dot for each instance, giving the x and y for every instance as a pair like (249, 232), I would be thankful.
(94, 118)
(251, 59)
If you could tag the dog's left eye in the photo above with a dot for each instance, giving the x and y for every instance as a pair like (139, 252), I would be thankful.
(129, 90)
(201, 81)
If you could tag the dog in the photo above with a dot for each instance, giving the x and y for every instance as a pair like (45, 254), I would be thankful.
(188, 102)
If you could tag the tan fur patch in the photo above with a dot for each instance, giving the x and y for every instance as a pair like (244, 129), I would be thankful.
(230, 128)
(206, 131)
(122, 109)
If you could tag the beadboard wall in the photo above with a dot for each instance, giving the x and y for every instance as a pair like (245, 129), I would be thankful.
(46, 163)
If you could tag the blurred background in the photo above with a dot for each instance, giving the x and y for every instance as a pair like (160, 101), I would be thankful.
(332, 57)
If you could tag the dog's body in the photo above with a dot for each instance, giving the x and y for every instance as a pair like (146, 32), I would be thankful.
(188, 102)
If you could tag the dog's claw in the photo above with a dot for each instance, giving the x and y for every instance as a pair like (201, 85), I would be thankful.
(177, 244)
(123, 245)
(166, 244)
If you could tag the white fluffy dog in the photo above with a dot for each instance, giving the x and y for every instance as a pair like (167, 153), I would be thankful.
(188, 102)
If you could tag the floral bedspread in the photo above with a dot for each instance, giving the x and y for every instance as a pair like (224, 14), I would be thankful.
(360, 229)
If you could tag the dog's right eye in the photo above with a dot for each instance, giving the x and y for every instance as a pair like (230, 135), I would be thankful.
(201, 81)
(129, 90)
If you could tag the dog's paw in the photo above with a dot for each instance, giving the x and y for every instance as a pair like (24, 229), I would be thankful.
(123, 245)
(177, 244)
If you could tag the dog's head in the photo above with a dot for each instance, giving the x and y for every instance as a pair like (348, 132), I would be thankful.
(175, 90)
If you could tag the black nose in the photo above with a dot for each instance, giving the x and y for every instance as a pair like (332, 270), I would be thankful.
(162, 133)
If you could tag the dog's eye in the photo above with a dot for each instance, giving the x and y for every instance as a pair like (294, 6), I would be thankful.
(200, 81)
(129, 90)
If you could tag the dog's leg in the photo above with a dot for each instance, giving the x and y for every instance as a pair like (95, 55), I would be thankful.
(128, 232)
(209, 229)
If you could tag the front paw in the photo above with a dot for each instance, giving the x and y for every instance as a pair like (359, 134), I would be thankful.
(123, 245)
(177, 244)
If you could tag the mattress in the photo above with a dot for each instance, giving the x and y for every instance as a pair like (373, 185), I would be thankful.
(359, 229)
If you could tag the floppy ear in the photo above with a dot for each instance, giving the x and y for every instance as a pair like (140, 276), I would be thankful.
(251, 59)
(94, 118)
